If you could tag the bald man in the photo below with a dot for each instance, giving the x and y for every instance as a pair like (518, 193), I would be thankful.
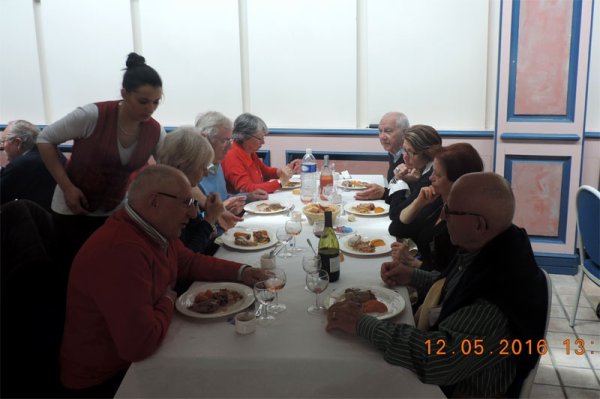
(120, 295)
(391, 136)
(491, 294)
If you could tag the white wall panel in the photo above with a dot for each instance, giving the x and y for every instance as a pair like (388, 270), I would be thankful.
(593, 106)
(194, 45)
(302, 62)
(86, 46)
(428, 59)
(20, 85)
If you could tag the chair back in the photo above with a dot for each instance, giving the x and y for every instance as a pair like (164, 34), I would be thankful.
(588, 222)
(528, 382)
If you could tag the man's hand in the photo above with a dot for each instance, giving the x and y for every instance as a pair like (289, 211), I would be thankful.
(394, 273)
(372, 192)
(400, 253)
(344, 316)
(235, 205)
(258, 195)
(227, 220)
(252, 275)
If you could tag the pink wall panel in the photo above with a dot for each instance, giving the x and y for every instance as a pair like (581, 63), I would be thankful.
(543, 57)
(537, 188)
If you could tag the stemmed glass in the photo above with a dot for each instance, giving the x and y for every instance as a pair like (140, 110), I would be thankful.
(285, 237)
(264, 296)
(333, 197)
(275, 283)
(311, 263)
(294, 227)
(317, 282)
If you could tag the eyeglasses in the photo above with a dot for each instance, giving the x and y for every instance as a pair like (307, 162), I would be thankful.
(261, 139)
(448, 212)
(7, 139)
(184, 201)
(225, 141)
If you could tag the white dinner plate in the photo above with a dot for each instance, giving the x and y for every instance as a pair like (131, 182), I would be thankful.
(229, 239)
(291, 185)
(384, 249)
(252, 207)
(340, 184)
(393, 300)
(186, 299)
(386, 208)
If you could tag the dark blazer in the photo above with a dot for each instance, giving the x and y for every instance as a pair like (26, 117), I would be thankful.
(398, 201)
(390, 173)
(26, 177)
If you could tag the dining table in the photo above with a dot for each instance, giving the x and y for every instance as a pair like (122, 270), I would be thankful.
(294, 356)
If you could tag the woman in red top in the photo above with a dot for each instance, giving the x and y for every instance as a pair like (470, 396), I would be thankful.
(244, 171)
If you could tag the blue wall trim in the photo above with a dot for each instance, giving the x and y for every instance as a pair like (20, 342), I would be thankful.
(592, 135)
(265, 155)
(541, 136)
(375, 132)
(290, 155)
(572, 75)
(558, 263)
(564, 191)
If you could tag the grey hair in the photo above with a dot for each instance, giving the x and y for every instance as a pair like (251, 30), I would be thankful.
(247, 125)
(210, 122)
(424, 139)
(186, 149)
(27, 132)
(402, 122)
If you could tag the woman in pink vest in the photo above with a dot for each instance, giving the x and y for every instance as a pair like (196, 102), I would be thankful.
(111, 140)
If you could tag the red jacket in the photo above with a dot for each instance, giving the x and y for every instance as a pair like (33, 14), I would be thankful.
(246, 173)
(116, 309)
(95, 165)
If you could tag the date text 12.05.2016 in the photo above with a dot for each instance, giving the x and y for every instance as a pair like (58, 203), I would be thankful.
(506, 347)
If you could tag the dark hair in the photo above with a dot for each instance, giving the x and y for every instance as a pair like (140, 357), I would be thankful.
(138, 73)
(247, 125)
(424, 139)
(459, 159)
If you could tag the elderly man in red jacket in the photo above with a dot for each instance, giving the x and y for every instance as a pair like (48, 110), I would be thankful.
(120, 295)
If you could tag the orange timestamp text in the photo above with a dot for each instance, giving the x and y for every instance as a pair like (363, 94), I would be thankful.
(507, 347)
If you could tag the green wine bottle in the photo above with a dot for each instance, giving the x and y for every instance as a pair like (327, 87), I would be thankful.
(329, 249)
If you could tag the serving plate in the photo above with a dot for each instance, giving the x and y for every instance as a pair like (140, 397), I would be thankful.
(381, 250)
(229, 239)
(252, 207)
(393, 300)
(186, 299)
(340, 184)
(350, 205)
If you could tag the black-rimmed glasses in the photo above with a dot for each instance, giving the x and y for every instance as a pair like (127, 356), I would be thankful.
(184, 201)
(261, 139)
(447, 211)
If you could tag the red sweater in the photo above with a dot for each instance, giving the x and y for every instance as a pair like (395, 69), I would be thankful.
(246, 173)
(95, 165)
(116, 309)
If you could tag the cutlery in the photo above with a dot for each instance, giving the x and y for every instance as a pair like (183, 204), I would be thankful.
(311, 246)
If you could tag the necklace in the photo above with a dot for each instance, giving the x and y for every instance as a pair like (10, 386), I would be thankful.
(125, 132)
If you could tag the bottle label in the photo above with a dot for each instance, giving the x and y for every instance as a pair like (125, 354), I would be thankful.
(329, 263)
(309, 168)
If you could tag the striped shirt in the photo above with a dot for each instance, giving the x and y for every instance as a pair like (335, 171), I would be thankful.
(463, 352)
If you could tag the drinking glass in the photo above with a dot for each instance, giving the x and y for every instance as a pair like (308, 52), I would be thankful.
(334, 197)
(317, 282)
(310, 263)
(285, 237)
(275, 283)
(264, 296)
(294, 227)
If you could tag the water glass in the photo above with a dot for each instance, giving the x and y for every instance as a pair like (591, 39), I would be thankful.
(284, 237)
(317, 282)
(264, 296)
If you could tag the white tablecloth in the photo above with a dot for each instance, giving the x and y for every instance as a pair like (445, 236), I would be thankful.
(294, 356)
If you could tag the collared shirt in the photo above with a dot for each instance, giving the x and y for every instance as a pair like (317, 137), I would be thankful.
(146, 227)
(397, 155)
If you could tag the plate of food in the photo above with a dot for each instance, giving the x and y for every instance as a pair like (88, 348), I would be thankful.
(367, 246)
(247, 239)
(379, 302)
(352, 184)
(291, 185)
(211, 300)
(267, 207)
(367, 208)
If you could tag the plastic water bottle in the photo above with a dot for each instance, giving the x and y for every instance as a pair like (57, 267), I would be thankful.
(309, 177)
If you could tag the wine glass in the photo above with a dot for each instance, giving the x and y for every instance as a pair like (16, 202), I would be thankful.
(317, 282)
(311, 263)
(294, 227)
(334, 197)
(264, 296)
(285, 237)
(275, 283)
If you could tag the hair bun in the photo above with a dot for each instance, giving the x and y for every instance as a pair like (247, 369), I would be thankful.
(135, 60)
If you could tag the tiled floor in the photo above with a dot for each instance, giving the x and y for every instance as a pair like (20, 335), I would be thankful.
(562, 375)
